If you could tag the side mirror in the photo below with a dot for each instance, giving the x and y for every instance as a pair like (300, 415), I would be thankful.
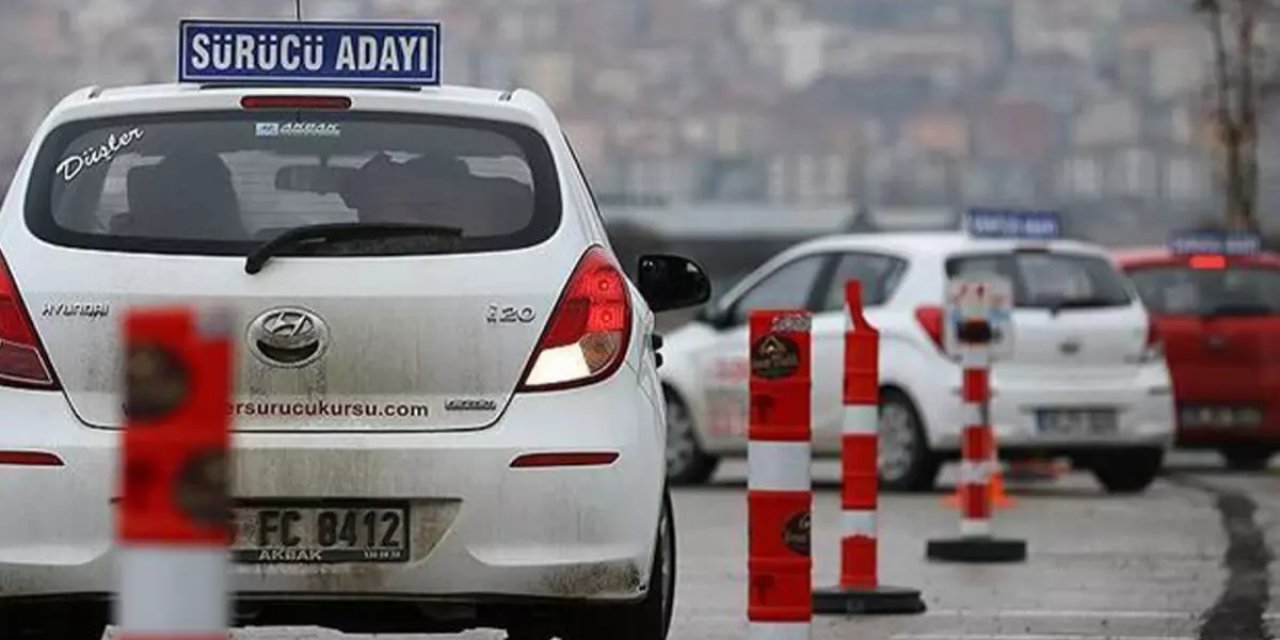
(672, 282)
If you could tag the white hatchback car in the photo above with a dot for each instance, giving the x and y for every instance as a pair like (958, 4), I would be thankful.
(435, 332)
(1086, 378)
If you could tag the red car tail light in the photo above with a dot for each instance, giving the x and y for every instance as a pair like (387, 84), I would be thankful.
(22, 360)
(930, 319)
(1153, 349)
(586, 337)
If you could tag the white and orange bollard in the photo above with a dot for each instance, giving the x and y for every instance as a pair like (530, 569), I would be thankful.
(860, 591)
(976, 542)
(173, 521)
(779, 493)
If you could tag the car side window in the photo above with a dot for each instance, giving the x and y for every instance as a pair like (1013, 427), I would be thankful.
(788, 287)
(879, 275)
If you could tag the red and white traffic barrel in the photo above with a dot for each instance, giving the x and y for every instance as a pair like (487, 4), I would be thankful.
(173, 519)
(860, 590)
(779, 494)
(977, 466)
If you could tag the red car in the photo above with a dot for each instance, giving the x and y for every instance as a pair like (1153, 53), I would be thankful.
(1218, 317)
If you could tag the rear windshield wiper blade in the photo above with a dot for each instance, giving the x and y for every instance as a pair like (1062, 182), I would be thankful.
(339, 232)
(1081, 303)
(1240, 309)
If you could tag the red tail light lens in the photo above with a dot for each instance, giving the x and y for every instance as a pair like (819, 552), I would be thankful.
(22, 361)
(586, 337)
(1153, 349)
(930, 319)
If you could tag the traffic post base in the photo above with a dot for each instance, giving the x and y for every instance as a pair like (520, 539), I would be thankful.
(878, 600)
(977, 549)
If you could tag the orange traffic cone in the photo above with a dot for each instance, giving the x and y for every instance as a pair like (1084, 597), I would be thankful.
(999, 499)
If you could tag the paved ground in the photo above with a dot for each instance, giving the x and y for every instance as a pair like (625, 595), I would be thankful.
(1148, 567)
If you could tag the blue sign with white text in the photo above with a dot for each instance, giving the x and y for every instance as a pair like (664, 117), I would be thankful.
(1005, 223)
(310, 53)
(1215, 242)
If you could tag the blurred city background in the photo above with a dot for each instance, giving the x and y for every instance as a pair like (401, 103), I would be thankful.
(729, 128)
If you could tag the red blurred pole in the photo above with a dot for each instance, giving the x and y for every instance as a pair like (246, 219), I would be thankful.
(977, 449)
(779, 493)
(173, 519)
(976, 542)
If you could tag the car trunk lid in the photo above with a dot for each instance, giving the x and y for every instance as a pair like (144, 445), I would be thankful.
(440, 355)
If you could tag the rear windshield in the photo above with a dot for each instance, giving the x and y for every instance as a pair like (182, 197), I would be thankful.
(222, 183)
(1179, 290)
(1043, 280)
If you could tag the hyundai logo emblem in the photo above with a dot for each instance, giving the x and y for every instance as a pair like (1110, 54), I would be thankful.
(288, 337)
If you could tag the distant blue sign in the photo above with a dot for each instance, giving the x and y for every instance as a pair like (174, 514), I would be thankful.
(1215, 242)
(1005, 223)
(313, 53)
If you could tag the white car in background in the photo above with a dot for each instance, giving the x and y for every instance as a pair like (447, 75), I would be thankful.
(440, 361)
(1086, 379)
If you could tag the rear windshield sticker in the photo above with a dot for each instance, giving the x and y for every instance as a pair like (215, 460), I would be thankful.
(73, 165)
(297, 130)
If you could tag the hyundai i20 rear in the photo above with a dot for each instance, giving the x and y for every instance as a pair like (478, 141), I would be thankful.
(1085, 378)
(434, 338)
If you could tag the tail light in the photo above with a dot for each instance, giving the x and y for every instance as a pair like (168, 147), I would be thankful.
(586, 337)
(930, 319)
(22, 360)
(1153, 348)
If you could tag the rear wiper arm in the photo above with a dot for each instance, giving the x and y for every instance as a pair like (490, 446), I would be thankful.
(339, 232)
(1078, 303)
(1239, 309)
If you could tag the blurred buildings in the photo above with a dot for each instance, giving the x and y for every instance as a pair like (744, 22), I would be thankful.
(1089, 105)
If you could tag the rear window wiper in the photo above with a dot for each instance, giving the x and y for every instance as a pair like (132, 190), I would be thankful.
(343, 231)
(1082, 303)
(1240, 309)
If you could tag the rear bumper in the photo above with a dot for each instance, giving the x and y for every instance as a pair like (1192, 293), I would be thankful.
(479, 529)
(1143, 404)
(1210, 438)
(77, 613)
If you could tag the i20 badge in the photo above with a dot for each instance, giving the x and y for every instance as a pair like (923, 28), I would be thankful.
(288, 337)
(506, 314)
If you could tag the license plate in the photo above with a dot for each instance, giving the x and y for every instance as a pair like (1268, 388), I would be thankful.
(320, 534)
(1077, 422)
(1221, 416)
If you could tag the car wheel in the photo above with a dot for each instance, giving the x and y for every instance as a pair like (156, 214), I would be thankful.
(1249, 459)
(1129, 471)
(687, 463)
(649, 618)
(905, 461)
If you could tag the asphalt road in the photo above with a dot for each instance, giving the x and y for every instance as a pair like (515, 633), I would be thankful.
(1189, 559)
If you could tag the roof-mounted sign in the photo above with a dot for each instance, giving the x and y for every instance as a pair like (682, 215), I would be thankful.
(366, 53)
(1215, 242)
(1009, 223)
